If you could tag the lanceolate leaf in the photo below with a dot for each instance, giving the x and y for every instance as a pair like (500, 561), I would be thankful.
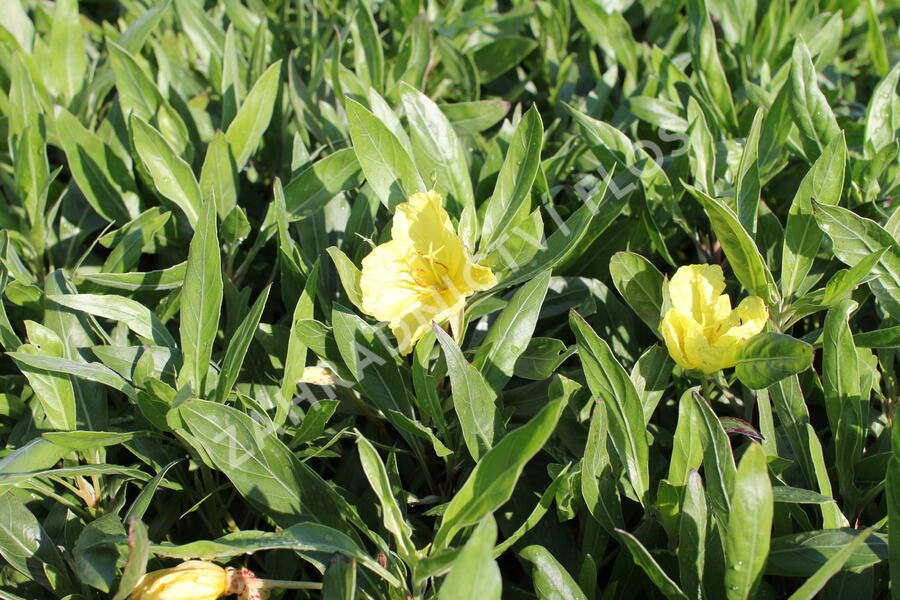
(610, 384)
(201, 300)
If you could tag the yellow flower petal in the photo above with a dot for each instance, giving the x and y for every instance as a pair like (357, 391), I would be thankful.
(672, 328)
(423, 275)
(701, 331)
(191, 580)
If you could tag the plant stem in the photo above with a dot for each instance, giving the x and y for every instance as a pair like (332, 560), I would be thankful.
(289, 585)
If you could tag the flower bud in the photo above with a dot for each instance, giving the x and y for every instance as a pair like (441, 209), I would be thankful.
(191, 580)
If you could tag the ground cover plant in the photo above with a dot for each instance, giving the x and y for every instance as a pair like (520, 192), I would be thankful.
(401, 299)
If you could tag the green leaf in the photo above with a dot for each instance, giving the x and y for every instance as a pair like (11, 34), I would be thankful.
(551, 580)
(534, 518)
(650, 375)
(510, 333)
(473, 399)
(391, 514)
(66, 58)
(133, 38)
(475, 574)
(219, 176)
(598, 211)
(492, 481)
(301, 537)
(854, 238)
(648, 564)
(171, 175)
(371, 362)
(95, 552)
(718, 461)
(640, 284)
(134, 315)
(705, 57)
(802, 554)
(541, 358)
(502, 54)
(812, 114)
(367, 46)
(349, 275)
(689, 440)
(832, 567)
(339, 579)
(170, 278)
(882, 113)
(247, 129)
(54, 391)
(25, 545)
(259, 465)
(107, 183)
(791, 495)
(769, 357)
(749, 525)
(747, 183)
(81, 370)
(823, 183)
(136, 565)
(140, 505)
(437, 148)
(889, 337)
(845, 281)
(387, 165)
(512, 191)
(469, 118)
(692, 535)
(877, 49)
(610, 383)
(295, 360)
(701, 148)
(613, 147)
(845, 406)
(748, 264)
(138, 95)
(201, 301)
(597, 476)
(609, 30)
(310, 191)
(238, 346)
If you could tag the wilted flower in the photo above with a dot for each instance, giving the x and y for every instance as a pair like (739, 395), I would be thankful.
(701, 330)
(191, 580)
(423, 275)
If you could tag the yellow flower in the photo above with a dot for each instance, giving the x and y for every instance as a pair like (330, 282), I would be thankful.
(423, 275)
(191, 580)
(701, 331)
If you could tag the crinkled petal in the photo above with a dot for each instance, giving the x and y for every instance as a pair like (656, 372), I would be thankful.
(694, 289)
(422, 219)
(672, 329)
(476, 278)
(748, 319)
(410, 326)
(385, 284)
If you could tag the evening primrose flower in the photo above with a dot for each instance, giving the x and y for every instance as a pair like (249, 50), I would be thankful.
(701, 330)
(191, 580)
(423, 275)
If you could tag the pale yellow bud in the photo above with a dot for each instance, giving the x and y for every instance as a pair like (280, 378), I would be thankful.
(191, 580)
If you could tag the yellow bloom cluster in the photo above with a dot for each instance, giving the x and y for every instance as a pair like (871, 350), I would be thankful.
(191, 580)
(700, 329)
(423, 275)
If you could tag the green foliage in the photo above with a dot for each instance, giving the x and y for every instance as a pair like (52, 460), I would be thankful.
(187, 194)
